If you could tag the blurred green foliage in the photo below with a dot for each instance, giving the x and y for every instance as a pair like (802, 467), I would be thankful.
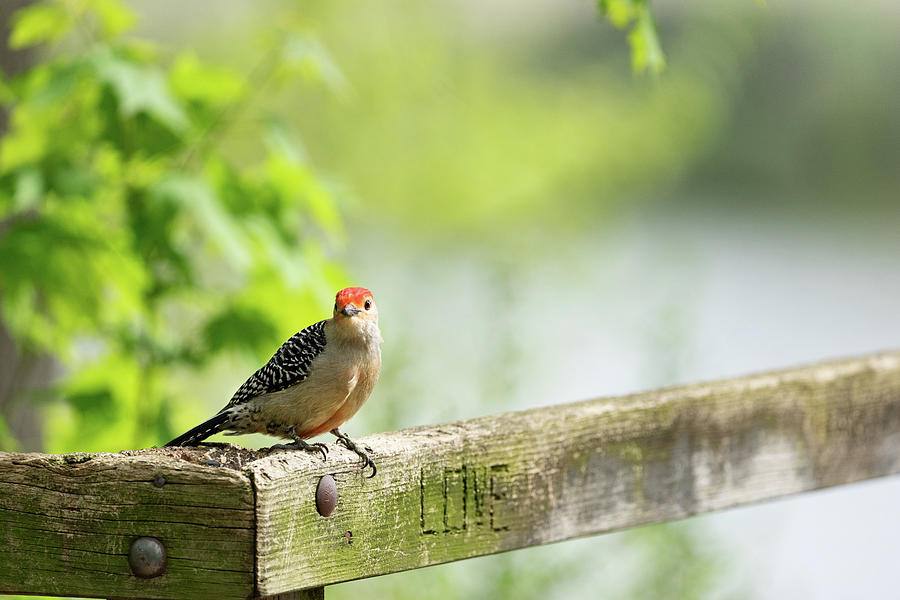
(133, 244)
(646, 52)
(472, 123)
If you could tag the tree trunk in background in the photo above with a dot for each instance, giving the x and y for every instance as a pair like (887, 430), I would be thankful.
(21, 378)
(19, 374)
(11, 61)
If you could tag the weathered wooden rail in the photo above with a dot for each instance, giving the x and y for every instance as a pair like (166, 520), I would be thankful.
(242, 524)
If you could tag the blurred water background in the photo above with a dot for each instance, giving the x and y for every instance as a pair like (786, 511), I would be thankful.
(541, 225)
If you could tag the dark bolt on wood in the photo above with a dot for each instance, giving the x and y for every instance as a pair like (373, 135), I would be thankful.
(147, 557)
(326, 495)
(159, 481)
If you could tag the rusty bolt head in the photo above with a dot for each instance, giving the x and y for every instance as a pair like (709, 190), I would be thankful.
(326, 495)
(147, 557)
(159, 481)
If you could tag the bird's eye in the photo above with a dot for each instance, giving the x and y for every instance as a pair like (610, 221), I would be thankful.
(368, 304)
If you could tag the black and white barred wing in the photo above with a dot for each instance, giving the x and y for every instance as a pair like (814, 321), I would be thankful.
(290, 365)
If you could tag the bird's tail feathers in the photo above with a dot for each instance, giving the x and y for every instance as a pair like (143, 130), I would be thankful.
(202, 431)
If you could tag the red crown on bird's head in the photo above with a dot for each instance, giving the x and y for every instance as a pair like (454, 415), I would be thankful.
(355, 295)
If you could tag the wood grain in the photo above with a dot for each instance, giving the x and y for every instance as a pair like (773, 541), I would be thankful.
(508, 481)
(67, 523)
(240, 524)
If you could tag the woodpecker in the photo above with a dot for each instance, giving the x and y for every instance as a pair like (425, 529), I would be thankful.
(314, 383)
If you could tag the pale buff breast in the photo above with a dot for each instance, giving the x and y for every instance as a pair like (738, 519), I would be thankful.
(367, 375)
(341, 379)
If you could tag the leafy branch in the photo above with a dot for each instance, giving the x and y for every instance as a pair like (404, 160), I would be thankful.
(646, 51)
(135, 244)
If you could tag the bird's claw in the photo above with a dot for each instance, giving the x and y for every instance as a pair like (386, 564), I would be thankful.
(349, 444)
(317, 447)
(300, 444)
(321, 448)
(368, 462)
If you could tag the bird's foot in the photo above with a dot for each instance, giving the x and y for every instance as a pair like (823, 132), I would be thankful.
(300, 444)
(345, 441)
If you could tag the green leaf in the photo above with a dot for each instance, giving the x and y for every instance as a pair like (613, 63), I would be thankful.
(56, 83)
(22, 145)
(237, 327)
(294, 184)
(280, 140)
(59, 266)
(194, 81)
(207, 215)
(29, 189)
(95, 405)
(113, 16)
(103, 398)
(38, 24)
(646, 52)
(306, 56)
(619, 12)
(140, 88)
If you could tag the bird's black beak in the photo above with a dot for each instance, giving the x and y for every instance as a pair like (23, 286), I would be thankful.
(350, 310)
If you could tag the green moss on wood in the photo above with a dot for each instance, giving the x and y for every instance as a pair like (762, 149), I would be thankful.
(442, 493)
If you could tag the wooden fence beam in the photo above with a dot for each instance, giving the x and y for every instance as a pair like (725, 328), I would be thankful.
(239, 524)
(514, 480)
(67, 523)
